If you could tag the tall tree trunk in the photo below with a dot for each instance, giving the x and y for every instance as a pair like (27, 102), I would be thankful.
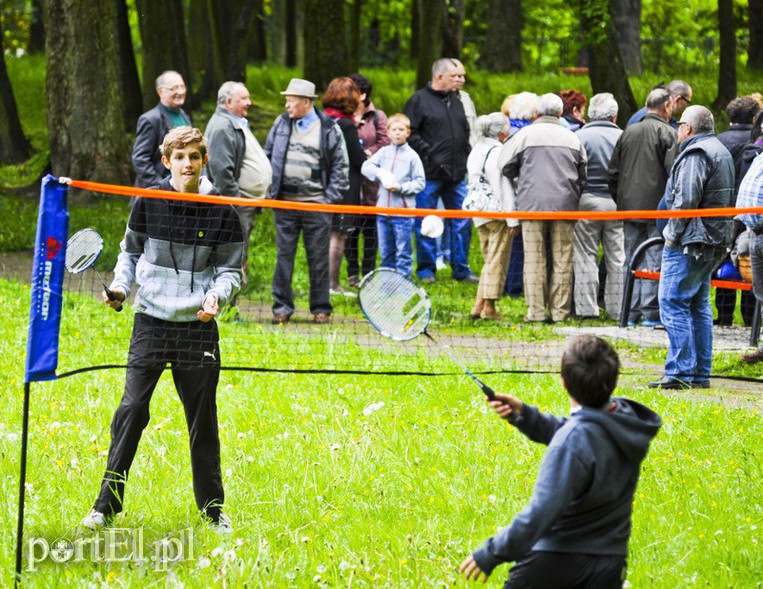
(355, 49)
(431, 13)
(14, 147)
(325, 37)
(415, 30)
(164, 46)
(755, 51)
(200, 58)
(85, 120)
(626, 16)
(292, 44)
(238, 42)
(128, 70)
(502, 50)
(36, 29)
(727, 70)
(607, 70)
(453, 29)
(258, 45)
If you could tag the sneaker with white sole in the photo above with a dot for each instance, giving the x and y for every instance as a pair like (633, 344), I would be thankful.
(96, 520)
(223, 525)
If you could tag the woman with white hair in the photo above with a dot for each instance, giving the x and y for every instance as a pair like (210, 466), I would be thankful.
(490, 191)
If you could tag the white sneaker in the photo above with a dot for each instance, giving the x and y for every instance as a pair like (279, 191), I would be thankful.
(223, 525)
(440, 264)
(95, 520)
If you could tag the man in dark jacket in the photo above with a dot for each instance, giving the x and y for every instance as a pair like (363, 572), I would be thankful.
(237, 165)
(742, 112)
(638, 172)
(309, 161)
(154, 125)
(440, 135)
(575, 529)
(702, 177)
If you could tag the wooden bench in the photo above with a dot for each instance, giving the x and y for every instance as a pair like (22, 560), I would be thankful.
(634, 274)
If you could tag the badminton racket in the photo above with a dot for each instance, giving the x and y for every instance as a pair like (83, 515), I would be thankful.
(400, 310)
(82, 250)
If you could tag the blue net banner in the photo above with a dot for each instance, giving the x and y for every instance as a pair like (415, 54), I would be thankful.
(48, 268)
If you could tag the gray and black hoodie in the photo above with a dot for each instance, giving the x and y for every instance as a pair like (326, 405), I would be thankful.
(583, 497)
(179, 252)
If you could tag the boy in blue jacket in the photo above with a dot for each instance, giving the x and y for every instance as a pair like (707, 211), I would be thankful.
(574, 532)
(400, 174)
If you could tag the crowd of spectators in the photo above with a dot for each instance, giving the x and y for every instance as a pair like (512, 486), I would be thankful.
(539, 154)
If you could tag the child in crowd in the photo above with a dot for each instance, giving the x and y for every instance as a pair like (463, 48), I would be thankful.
(574, 531)
(400, 174)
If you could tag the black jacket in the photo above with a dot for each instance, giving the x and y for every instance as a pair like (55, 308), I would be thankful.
(439, 133)
(356, 157)
(735, 138)
(146, 157)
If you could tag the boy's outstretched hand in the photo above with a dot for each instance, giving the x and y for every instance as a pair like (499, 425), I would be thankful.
(506, 406)
(471, 570)
(210, 309)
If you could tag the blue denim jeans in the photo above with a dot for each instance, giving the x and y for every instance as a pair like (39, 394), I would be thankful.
(396, 243)
(684, 296)
(452, 195)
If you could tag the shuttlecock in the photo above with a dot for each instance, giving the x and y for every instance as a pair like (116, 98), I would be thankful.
(431, 226)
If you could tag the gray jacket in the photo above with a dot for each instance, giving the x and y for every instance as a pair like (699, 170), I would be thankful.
(332, 153)
(226, 145)
(641, 163)
(702, 177)
(599, 139)
(146, 155)
(549, 165)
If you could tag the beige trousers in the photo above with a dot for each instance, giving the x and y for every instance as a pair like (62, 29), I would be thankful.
(495, 244)
(538, 291)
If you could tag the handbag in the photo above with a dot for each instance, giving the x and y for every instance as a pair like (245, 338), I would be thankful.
(479, 195)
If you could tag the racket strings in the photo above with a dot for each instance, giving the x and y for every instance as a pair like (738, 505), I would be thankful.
(394, 305)
(82, 250)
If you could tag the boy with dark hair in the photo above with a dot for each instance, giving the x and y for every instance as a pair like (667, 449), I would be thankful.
(186, 258)
(574, 531)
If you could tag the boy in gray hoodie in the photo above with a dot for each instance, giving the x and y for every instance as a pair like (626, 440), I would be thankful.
(574, 531)
(185, 257)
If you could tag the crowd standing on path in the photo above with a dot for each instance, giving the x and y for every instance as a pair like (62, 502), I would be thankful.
(541, 154)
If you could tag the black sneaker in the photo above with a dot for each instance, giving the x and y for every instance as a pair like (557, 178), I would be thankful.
(670, 383)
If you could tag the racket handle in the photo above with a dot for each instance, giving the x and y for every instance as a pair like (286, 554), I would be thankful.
(489, 393)
(112, 297)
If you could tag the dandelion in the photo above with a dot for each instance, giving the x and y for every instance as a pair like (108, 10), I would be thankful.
(203, 563)
(372, 408)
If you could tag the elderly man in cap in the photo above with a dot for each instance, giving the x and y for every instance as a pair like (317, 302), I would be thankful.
(309, 163)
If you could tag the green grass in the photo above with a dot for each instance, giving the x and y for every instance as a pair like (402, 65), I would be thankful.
(323, 489)
(350, 480)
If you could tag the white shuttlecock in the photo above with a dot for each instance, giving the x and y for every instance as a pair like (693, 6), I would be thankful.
(431, 226)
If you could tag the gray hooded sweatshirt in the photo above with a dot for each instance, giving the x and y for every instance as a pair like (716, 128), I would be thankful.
(582, 500)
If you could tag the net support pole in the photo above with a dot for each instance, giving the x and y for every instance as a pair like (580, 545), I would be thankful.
(45, 310)
(22, 485)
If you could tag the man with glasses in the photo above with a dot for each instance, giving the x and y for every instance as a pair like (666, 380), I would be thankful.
(680, 97)
(154, 125)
